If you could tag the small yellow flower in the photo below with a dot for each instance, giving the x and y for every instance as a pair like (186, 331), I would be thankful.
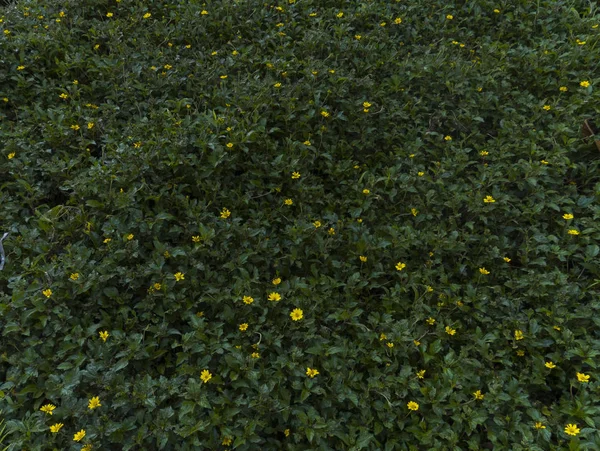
(497, 11)
(572, 429)
(168, 66)
(287, 432)
(400, 266)
(74, 276)
(130, 237)
(389, 344)
(276, 281)
(489, 199)
(340, 15)
(547, 107)
(56, 427)
(483, 271)
(288, 202)
(568, 216)
(520, 353)
(550, 365)
(179, 276)
(414, 211)
(317, 224)
(556, 328)
(243, 326)
(366, 191)
(363, 258)
(397, 20)
(196, 238)
(448, 138)
(75, 127)
(94, 403)
(412, 405)
(90, 125)
(295, 175)
(97, 46)
(450, 331)
(539, 425)
(311, 372)
(248, 300)
(109, 14)
(225, 213)
(584, 84)
(478, 395)
(20, 67)
(430, 321)
(137, 145)
(449, 17)
(147, 16)
(331, 231)
(382, 336)
(420, 173)
(79, 435)
(255, 355)
(274, 296)
(324, 114)
(421, 374)
(205, 376)
(47, 292)
(223, 77)
(277, 85)
(583, 378)
(229, 145)
(157, 286)
(227, 441)
(297, 314)
(519, 335)
(307, 143)
(506, 259)
(416, 342)
(573, 232)
(48, 408)
(103, 335)
(204, 12)
(563, 89)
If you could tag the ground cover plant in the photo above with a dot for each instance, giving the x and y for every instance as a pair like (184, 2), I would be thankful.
(312, 224)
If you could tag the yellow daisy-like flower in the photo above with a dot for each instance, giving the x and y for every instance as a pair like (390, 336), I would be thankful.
(47, 292)
(450, 331)
(568, 216)
(109, 14)
(449, 17)
(519, 335)
(483, 271)
(366, 191)
(563, 89)
(339, 15)
(547, 107)
(520, 353)
(255, 355)
(243, 326)
(572, 429)
(416, 342)
(307, 143)
(324, 114)
(584, 84)
(74, 276)
(103, 335)
(196, 238)
(179, 276)
(573, 232)
(412, 406)
(274, 297)
(489, 199)
(295, 175)
(317, 224)
(297, 314)
(414, 211)
(478, 395)
(227, 441)
(363, 258)
(506, 259)
(287, 432)
(229, 145)
(147, 16)
(420, 173)
(550, 365)
(79, 435)
(397, 20)
(390, 344)
(311, 372)
(75, 127)
(276, 281)
(204, 12)
(56, 427)
(94, 403)
(90, 125)
(497, 11)
(248, 300)
(366, 104)
(400, 266)
(205, 376)
(288, 202)
(48, 408)
(225, 213)
(430, 321)
(583, 378)
(20, 67)
(448, 138)
(421, 374)
(331, 231)
(277, 85)
(130, 237)
(539, 425)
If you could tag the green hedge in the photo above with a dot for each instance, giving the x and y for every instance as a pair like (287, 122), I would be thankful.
(148, 153)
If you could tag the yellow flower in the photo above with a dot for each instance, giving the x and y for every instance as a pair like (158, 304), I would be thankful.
(568, 216)
(130, 237)
(563, 89)
(489, 199)
(103, 335)
(274, 297)
(389, 344)
(137, 145)
(421, 374)
(288, 202)
(573, 232)
(450, 331)
(547, 107)
(229, 145)
(205, 376)
(248, 300)
(497, 11)
(483, 153)
(90, 125)
(243, 326)
(430, 321)
(556, 328)
(448, 138)
(179, 276)
(340, 15)
(412, 405)
(297, 314)
(324, 114)
(583, 378)
(20, 67)
(416, 342)
(79, 435)
(255, 355)
(317, 224)
(539, 425)
(48, 408)
(74, 276)
(277, 85)
(449, 17)
(331, 231)
(147, 16)
(225, 213)
(311, 372)
(363, 258)
(307, 143)
(287, 432)
(157, 286)
(520, 353)
(400, 266)
(196, 238)
(223, 77)
(420, 173)
(366, 191)
(478, 395)
(204, 12)
(94, 403)
(56, 427)
(584, 84)
(47, 292)
(109, 14)
(295, 175)
(483, 271)
(506, 259)
(276, 281)
(549, 365)
(382, 336)
(572, 429)
(227, 441)
(397, 20)
(519, 335)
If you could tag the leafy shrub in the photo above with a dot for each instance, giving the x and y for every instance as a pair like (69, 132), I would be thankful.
(308, 225)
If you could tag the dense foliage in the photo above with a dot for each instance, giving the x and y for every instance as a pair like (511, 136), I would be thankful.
(315, 224)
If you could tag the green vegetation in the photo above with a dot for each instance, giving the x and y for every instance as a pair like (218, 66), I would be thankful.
(318, 224)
